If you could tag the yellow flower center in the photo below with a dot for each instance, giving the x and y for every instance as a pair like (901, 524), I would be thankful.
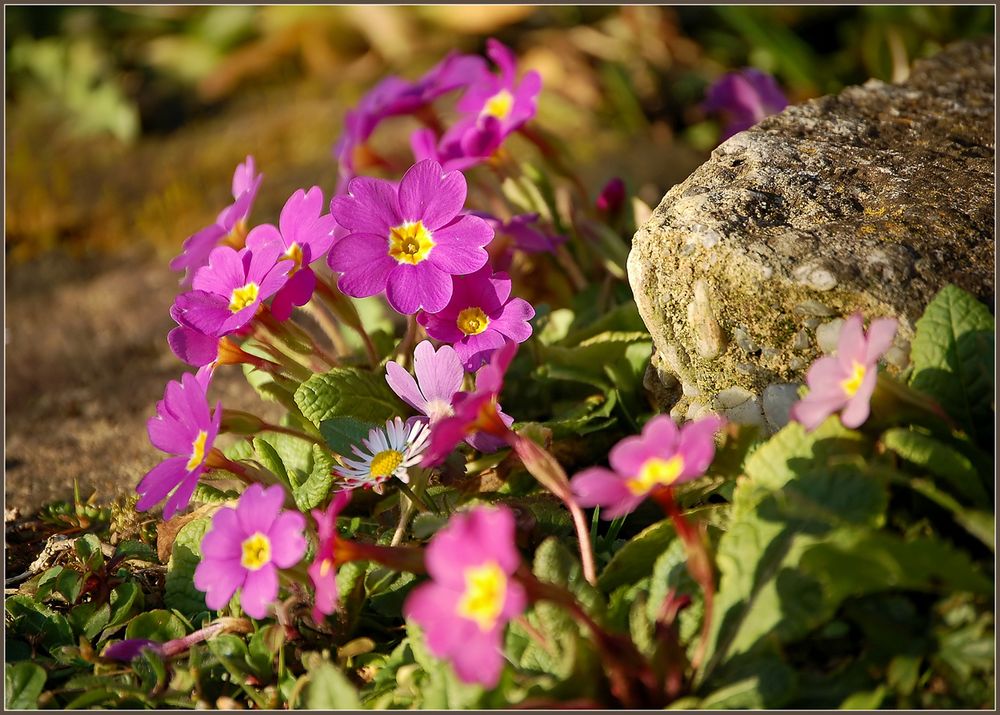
(256, 552)
(384, 463)
(197, 450)
(852, 384)
(242, 297)
(410, 242)
(472, 321)
(656, 472)
(294, 253)
(485, 591)
(499, 105)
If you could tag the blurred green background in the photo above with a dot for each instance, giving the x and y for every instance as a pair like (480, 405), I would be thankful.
(124, 124)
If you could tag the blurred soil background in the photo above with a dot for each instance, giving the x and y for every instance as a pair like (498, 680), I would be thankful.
(123, 126)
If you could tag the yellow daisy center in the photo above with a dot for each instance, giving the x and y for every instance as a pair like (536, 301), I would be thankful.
(472, 321)
(499, 105)
(197, 450)
(294, 254)
(384, 463)
(256, 552)
(485, 591)
(410, 242)
(656, 472)
(242, 297)
(853, 383)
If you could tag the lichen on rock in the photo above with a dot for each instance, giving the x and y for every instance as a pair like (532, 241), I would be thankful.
(870, 200)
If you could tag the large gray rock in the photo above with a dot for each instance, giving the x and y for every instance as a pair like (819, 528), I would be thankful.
(870, 200)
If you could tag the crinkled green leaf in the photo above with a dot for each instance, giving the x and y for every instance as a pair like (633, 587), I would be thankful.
(953, 358)
(90, 619)
(347, 392)
(185, 556)
(23, 683)
(30, 619)
(268, 456)
(765, 682)
(314, 490)
(88, 550)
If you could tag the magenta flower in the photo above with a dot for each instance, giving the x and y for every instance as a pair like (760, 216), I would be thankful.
(657, 459)
(477, 414)
(230, 222)
(521, 233)
(480, 316)
(394, 96)
(408, 241)
(494, 107)
(304, 236)
(228, 291)
(323, 570)
(472, 593)
(744, 98)
(246, 546)
(182, 427)
(847, 380)
(612, 197)
(438, 383)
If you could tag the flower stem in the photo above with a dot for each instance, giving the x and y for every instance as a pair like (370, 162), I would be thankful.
(550, 474)
(342, 307)
(699, 564)
(328, 326)
(222, 625)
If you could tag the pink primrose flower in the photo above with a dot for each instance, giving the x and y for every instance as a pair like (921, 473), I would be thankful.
(744, 98)
(493, 108)
(182, 427)
(438, 384)
(657, 459)
(323, 570)
(472, 594)
(245, 547)
(230, 221)
(229, 290)
(304, 236)
(408, 241)
(477, 414)
(846, 381)
(480, 317)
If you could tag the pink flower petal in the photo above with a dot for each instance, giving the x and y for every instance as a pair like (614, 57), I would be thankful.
(881, 333)
(364, 260)
(513, 320)
(224, 539)
(223, 273)
(260, 589)
(851, 346)
(598, 486)
(433, 606)
(370, 206)
(411, 288)
(440, 373)
(403, 384)
(158, 482)
(288, 544)
(192, 346)
(219, 579)
(181, 497)
(258, 507)
(428, 194)
(697, 445)
(811, 411)
(481, 659)
(858, 407)
(459, 246)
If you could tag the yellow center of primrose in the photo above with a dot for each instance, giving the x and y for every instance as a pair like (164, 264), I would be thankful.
(472, 321)
(294, 254)
(256, 552)
(242, 297)
(852, 384)
(485, 591)
(656, 472)
(410, 242)
(499, 105)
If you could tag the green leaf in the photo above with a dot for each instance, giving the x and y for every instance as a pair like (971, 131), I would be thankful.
(940, 460)
(88, 549)
(441, 688)
(799, 487)
(347, 392)
(316, 487)
(208, 494)
(953, 358)
(865, 700)
(765, 682)
(135, 550)
(341, 433)
(978, 523)
(90, 618)
(125, 599)
(852, 562)
(588, 361)
(268, 456)
(31, 619)
(23, 683)
(329, 689)
(156, 625)
(185, 556)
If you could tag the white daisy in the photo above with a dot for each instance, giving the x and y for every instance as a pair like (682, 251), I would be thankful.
(388, 452)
